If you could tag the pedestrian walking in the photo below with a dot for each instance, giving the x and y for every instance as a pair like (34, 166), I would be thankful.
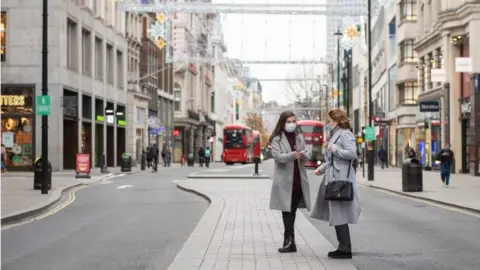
(445, 156)
(382, 156)
(154, 156)
(339, 156)
(207, 156)
(168, 156)
(201, 156)
(411, 152)
(290, 188)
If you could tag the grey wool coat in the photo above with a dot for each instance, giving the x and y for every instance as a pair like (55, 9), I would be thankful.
(338, 213)
(282, 187)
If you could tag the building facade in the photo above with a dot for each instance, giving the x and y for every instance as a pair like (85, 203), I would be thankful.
(446, 32)
(87, 79)
(193, 83)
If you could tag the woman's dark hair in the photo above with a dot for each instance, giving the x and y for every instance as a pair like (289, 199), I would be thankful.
(280, 124)
(340, 117)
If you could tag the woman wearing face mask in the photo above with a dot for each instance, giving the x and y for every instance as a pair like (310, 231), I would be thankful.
(290, 188)
(339, 157)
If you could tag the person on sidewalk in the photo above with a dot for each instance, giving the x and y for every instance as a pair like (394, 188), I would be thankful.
(382, 156)
(445, 157)
(201, 156)
(339, 155)
(154, 156)
(4, 158)
(207, 156)
(290, 188)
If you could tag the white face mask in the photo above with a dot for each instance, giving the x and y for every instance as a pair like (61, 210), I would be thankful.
(290, 127)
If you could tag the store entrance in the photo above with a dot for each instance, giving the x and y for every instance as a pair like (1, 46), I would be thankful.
(465, 144)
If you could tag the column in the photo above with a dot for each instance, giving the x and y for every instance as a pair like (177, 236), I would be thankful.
(455, 127)
(80, 122)
(474, 39)
(199, 138)
(115, 148)
(191, 149)
(421, 81)
(427, 69)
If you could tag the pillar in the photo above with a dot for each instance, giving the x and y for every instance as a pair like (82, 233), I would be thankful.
(474, 39)
(191, 149)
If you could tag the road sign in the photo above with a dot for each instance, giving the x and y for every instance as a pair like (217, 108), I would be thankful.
(43, 106)
(370, 134)
(429, 106)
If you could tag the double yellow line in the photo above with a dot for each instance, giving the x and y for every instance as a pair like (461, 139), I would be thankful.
(70, 200)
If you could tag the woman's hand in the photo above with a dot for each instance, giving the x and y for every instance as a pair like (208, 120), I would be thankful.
(332, 147)
(318, 171)
(297, 155)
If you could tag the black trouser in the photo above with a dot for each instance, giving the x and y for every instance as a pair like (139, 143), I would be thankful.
(289, 217)
(207, 161)
(343, 237)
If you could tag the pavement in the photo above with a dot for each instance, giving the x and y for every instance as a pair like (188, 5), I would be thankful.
(240, 232)
(20, 200)
(132, 222)
(462, 192)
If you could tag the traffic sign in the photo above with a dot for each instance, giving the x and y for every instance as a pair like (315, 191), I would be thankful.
(370, 134)
(43, 106)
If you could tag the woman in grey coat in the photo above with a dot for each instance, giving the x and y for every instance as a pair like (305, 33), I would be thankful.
(339, 157)
(290, 188)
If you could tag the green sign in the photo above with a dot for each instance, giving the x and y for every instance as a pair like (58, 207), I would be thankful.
(43, 106)
(370, 134)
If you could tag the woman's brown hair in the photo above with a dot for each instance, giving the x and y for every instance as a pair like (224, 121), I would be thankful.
(340, 117)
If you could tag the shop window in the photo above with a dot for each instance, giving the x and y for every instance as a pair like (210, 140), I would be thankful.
(17, 137)
(407, 93)
(407, 54)
(3, 35)
(408, 12)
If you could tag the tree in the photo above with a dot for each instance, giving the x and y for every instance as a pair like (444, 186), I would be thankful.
(255, 122)
(308, 93)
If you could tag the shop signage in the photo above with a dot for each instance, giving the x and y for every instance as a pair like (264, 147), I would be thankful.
(383, 123)
(82, 165)
(12, 100)
(429, 106)
(370, 134)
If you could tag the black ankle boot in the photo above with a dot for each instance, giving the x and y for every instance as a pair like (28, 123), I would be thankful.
(338, 254)
(289, 246)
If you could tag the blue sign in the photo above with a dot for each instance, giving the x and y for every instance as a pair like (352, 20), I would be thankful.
(421, 148)
(153, 131)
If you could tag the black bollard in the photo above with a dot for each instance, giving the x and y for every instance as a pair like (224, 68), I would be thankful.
(256, 160)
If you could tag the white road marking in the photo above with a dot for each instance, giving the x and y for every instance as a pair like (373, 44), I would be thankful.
(176, 181)
(124, 186)
(106, 182)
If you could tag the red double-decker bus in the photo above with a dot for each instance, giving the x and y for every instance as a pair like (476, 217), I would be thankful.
(237, 144)
(313, 133)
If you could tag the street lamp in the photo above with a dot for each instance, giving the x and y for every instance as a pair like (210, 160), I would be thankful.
(370, 150)
(46, 177)
(345, 91)
(338, 34)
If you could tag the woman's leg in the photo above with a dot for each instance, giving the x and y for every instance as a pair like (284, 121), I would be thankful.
(343, 237)
(289, 224)
(344, 250)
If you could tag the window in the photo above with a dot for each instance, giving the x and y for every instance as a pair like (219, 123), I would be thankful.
(177, 95)
(3, 35)
(98, 59)
(86, 52)
(407, 93)
(109, 64)
(212, 102)
(120, 70)
(407, 54)
(407, 10)
(72, 55)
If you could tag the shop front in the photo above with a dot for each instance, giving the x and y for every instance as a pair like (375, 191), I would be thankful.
(465, 109)
(405, 139)
(18, 126)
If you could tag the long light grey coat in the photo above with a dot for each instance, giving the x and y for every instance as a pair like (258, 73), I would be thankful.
(338, 213)
(282, 187)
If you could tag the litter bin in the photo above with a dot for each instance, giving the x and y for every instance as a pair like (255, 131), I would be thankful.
(190, 160)
(412, 176)
(126, 163)
(38, 174)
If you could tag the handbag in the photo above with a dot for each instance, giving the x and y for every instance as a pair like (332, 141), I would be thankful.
(339, 190)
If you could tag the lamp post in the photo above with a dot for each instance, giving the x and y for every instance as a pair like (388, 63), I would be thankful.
(338, 34)
(370, 151)
(345, 90)
(45, 93)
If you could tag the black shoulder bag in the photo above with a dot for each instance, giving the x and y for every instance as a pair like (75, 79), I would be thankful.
(339, 190)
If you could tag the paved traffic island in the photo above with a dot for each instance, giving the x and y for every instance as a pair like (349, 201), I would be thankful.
(240, 232)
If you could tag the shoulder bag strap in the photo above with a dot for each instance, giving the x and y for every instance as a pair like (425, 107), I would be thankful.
(349, 164)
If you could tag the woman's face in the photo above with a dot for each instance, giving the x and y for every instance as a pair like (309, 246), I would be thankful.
(291, 120)
(332, 123)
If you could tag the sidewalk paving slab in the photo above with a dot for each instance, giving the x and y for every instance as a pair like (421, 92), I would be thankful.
(462, 193)
(239, 232)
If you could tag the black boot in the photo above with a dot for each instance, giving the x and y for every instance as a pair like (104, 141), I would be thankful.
(338, 254)
(289, 246)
